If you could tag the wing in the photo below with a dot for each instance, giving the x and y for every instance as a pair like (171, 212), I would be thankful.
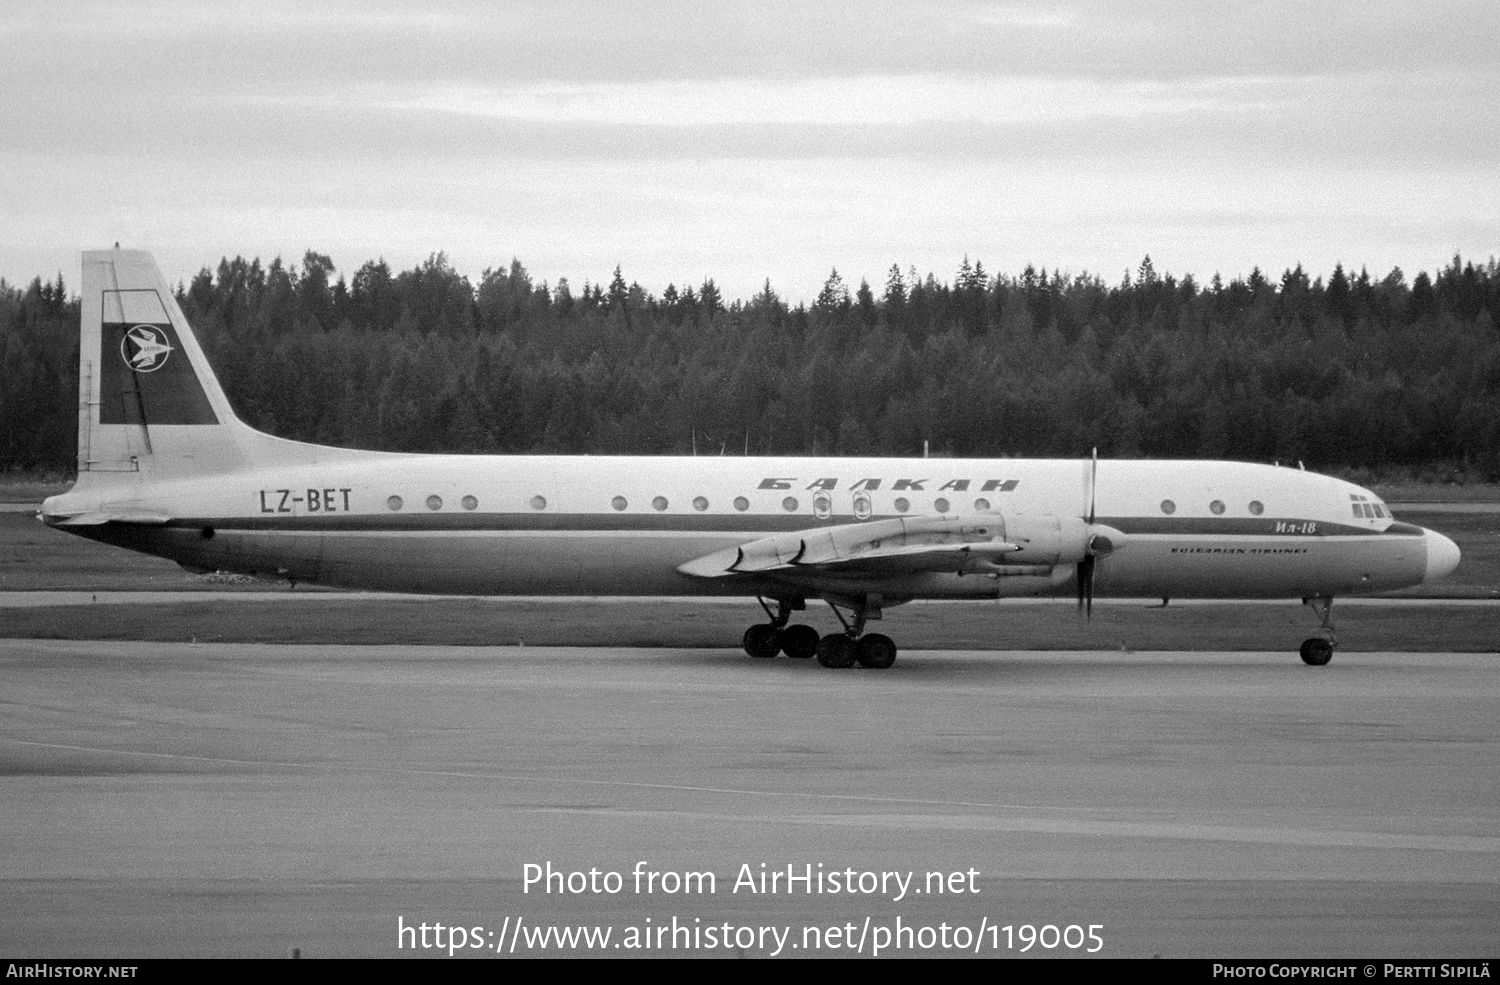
(902, 546)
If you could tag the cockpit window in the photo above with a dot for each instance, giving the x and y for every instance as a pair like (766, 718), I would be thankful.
(1366, 509)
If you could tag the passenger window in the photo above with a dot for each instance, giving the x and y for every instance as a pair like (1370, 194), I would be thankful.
(741, 503)
(902, 505)
(394, 503)
(1168, 507)
(700, 503)
(434, 502)
(619, 503)
(539, 502)
(789, 504)
(659, 503)
(1216, 507)
(470, 503)
(940, 504)
(1257, 507)
(981, 505)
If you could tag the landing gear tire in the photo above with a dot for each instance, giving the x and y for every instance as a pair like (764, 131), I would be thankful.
(836, 651)
(875, 651)
(1319, 650)
(799, 642)
(1316, 652)
(762, 641)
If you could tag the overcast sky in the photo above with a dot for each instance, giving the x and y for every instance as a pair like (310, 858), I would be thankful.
(746, 141)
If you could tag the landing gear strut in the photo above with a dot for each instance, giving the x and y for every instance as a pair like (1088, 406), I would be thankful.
(1318, 650)
(765, 640)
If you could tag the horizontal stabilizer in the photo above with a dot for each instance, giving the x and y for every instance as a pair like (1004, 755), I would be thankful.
(94, 518)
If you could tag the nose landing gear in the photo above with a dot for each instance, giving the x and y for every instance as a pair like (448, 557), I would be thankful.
(1318, 650)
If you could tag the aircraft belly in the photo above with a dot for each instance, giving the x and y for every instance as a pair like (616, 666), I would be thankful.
(270, 553)
(532, 563)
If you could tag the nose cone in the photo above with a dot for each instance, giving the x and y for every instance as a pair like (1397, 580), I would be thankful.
(1442, 556)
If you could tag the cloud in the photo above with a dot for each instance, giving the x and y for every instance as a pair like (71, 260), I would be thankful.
(872, 101)
(745, 140)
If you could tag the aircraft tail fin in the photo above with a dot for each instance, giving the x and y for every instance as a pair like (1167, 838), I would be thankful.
(148, 400)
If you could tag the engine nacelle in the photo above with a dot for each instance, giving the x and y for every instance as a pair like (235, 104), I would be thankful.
(1043, 538)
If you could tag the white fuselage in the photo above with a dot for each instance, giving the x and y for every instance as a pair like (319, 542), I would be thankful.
(580, 525)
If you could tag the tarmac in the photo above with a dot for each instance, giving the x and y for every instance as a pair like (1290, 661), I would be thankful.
(247, 800)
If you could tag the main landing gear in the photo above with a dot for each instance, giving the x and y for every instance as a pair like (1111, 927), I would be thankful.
(873, 650)
(765, 640)
(1318, 650)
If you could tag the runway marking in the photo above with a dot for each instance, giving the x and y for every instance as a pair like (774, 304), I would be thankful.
(1303, 837)
(524, 778)
(1131, 829)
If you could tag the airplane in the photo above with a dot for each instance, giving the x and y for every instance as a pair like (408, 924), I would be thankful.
(165, 467)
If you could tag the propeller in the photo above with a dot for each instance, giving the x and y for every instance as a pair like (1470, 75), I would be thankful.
(1086, 586)
(1090, 557)
(1102, 539)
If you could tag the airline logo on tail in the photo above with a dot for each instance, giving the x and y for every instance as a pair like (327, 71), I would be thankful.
(142, 385)
(145, 348)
